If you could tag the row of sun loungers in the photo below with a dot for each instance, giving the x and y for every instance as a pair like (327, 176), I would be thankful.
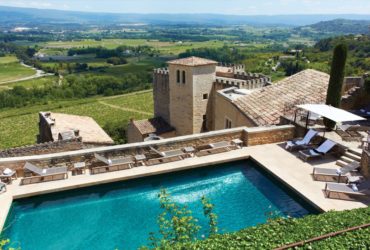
(307, 151)
(38, 175)
(347, 183)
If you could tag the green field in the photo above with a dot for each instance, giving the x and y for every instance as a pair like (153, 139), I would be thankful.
(19, 127)
(11, 70)
(38, 82)
(166, 48)
(8, 59)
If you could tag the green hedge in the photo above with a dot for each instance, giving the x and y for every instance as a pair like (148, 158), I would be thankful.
(285, 231)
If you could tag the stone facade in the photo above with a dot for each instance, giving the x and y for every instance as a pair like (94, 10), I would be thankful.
(189, 105)
(161, 94)
(189, 101)
(224, 109)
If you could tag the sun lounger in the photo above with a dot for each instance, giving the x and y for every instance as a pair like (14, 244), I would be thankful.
(299, 144)
(167, 156)
(112, 164)
(334, 190)
(216, 148)
(322, 150)
(43, 175)
(341, 175)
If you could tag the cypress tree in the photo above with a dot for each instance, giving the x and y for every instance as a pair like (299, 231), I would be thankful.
(334, 94)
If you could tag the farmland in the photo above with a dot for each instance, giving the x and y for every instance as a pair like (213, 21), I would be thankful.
(10, 69)
(165, 48)
(115, 110)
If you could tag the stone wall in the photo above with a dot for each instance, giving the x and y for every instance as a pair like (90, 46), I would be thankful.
(203, 78)
(133, 134)
(161, 94)
(269, 135)
(250, 136)
(45, 124)
(43, 148)
(365, 164)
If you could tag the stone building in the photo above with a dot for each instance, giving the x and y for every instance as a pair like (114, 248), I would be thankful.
(184, 95)
(63, 127)
(195, 95)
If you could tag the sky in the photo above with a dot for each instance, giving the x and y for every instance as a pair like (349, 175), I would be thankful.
(237, 7)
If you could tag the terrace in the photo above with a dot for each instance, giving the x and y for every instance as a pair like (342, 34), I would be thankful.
(263, 145)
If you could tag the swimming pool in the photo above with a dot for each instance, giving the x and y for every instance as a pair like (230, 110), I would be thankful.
(121, 215)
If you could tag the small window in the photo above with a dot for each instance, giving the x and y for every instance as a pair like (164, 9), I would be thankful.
(183, 77)
(178, 76)
(204, 117)
(228, 123)
(205, 96)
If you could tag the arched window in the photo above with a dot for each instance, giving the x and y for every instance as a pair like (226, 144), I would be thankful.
(183, 77)
(178, 76)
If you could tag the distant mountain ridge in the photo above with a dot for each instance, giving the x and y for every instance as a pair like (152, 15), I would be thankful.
(339, 26)
(27, 16)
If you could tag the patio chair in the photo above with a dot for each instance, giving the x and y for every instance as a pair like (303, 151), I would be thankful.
(340, 174)
(44, 175)
(301, 143)
(361, 189)
(2, 187)
(112, 164)
(216, 148)
(321, 151)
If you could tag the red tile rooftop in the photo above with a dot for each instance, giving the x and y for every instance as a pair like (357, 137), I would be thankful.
(265, 106)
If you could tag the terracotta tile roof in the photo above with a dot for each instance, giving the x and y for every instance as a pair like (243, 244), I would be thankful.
(192, 61)
(156, 126)
(265, 106)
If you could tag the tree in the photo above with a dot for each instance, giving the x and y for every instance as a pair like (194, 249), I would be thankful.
(334, 93)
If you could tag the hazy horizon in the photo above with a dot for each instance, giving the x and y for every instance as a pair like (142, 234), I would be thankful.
(238, 7)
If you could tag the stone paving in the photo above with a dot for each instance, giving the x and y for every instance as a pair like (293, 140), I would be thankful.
(285, 165)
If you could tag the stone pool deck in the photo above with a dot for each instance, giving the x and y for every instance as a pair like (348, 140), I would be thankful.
(285, 165)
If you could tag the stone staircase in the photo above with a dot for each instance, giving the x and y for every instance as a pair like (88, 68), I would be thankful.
(348, 157)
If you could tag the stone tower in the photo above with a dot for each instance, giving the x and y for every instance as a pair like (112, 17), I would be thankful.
(190, 87)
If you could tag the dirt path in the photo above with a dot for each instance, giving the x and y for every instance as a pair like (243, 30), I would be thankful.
(124, 109)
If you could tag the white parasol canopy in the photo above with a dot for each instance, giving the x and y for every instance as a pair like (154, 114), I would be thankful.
(335, 114)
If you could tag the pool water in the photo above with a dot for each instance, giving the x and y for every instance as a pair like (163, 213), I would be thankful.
(121, 215)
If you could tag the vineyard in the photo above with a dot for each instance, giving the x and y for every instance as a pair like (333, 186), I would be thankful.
(19, 127)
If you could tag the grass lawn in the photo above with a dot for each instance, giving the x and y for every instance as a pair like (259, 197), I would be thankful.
(14, 71)
(19, 127)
